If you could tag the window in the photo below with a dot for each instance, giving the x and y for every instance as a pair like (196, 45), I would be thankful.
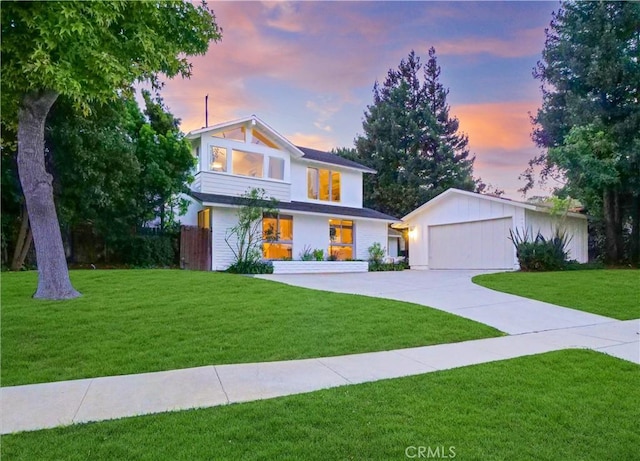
(323, 184)
(277, 235)
(261, 140)
(341, 239)
(276, 168)
(218, 159)
(247, 163)
(312, 183)
(204, 218)
(237, 134)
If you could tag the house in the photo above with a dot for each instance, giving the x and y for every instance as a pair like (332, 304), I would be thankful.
(319, 193)
(464, 230)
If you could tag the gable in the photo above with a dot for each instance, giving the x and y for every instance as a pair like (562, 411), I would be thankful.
(251, 132)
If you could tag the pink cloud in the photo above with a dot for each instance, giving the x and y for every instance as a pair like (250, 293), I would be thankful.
(501, 125)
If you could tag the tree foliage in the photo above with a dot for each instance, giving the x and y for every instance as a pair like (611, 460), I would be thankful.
(88, 52)
(589, 122)
(246, 237)
(411, 140)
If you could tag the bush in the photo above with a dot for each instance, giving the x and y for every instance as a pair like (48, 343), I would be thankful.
(541, 254)
(376, 253)
(306, 254)
(318, 254)
(150, 251)
(251, 267)
(390, 266)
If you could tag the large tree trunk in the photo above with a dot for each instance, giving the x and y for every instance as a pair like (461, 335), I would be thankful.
(53, 275)
(613, 227)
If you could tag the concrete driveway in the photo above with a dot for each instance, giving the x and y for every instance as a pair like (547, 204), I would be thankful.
(451, 291)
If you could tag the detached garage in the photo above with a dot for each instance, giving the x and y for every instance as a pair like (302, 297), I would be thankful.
(464, 230)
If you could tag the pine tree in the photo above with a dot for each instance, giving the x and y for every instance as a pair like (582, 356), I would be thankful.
(411, 140)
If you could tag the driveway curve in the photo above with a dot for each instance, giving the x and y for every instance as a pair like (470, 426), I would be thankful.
(451, 291)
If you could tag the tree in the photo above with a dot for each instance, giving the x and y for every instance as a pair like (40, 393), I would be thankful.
(87, 51)
(589, 122)
(411, 140)
(245, 238)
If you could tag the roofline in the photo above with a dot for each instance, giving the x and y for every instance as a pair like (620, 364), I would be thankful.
(194, 134)
(527, 206)
(287, 211)
(335, 165)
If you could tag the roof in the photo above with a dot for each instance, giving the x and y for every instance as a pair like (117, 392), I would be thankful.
(298, 151)
(254, 121)
(528, 206)
(297, 206)
(328, 157)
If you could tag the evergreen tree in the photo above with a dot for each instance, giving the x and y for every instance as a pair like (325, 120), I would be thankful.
(411, 140)
(589, 121)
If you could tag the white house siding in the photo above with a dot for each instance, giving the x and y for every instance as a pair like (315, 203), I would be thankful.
(190, 218)
(350, 184)
(311, 231)
(576, 229)
(367, 233)
(455, 209)
(225, 184)
(223, 219)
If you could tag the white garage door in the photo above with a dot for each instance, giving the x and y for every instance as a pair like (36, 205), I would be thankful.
(472, 245)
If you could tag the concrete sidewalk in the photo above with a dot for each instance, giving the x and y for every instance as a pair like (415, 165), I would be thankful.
(38, 406)
(451, 291)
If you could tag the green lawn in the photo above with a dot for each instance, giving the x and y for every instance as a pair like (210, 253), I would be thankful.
(567, 405)
(612, 293)
(149, 320)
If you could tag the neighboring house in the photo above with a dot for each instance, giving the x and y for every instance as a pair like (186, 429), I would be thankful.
(319, 193)
(464, 230)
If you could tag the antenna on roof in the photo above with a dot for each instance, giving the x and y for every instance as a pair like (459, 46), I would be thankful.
(206, 111)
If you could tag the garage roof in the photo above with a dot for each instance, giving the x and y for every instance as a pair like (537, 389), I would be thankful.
(528, 206)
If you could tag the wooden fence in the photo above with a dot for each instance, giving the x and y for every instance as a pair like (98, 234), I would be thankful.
(195, 248)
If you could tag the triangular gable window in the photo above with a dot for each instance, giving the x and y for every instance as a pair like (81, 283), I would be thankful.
(261, 140)
(237, 134)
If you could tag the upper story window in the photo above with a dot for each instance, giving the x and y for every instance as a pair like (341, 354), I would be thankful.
(323, 184)
(218, 159)
(247, 163)
(237, 134)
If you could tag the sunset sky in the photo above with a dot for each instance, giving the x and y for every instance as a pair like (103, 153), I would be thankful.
(308, 68)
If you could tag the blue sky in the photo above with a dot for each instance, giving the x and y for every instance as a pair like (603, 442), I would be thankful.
(308, 68)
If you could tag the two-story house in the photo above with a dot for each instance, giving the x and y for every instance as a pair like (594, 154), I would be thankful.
(319, 193)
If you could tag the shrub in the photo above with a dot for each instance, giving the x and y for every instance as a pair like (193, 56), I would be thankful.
(251, 267)
(150, 251)
(390, 266)
(376, 253)
(318, 254)
(306, 254)
(540, 253)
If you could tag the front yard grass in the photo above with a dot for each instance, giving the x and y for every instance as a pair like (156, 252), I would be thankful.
(150, 320)
(612, 293)
(566, 405)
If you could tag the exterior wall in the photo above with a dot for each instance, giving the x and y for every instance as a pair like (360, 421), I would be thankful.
(190, 218)
(350, 184)
(455, 209)
(311, 231)
(576, 229)
(319, 267)
(211, 182)
(367, 233)
(223, 219)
